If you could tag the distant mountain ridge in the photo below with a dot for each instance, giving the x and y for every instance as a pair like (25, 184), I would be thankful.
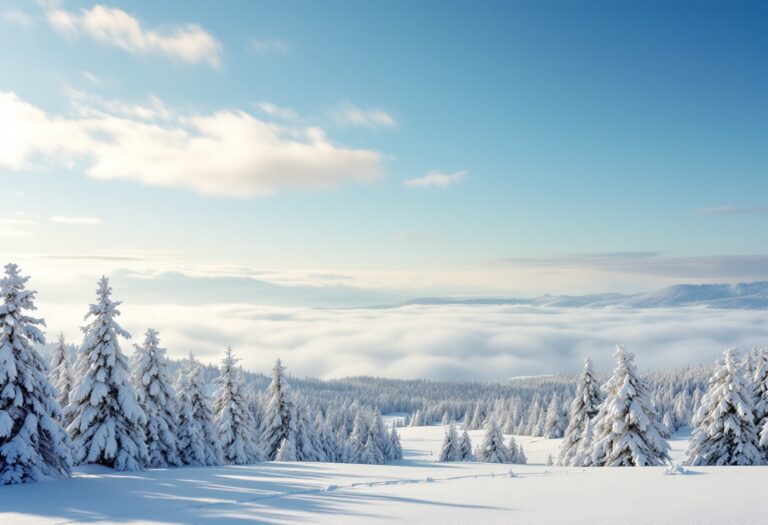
(741, 296)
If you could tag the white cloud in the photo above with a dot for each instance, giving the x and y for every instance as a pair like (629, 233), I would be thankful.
(350, 115)
(439, 342)
(188, 42)
(19, 18)
(89, 221)
(227, 153)
(262, 47)
(92, 78)
(278, 112)
(436, 179)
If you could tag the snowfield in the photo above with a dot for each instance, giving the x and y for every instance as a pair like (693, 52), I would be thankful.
(414, 490)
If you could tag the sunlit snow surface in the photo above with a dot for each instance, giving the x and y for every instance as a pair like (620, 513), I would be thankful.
(415, 490)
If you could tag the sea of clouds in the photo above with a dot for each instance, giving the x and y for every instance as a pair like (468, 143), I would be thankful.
(436, 342)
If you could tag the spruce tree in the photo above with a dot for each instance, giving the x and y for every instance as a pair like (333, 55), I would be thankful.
(584, 407)
(465, 447)
(33, 444)
(492, 449)
(60, 375)
(760, 396)
(553, 425)
(279, 413)
(287, 449)
(394, 445)
(724, 427)
(107, 422)
(450, 450)
(627, 427)
(158, 400)
(233, 418)
(190, 390)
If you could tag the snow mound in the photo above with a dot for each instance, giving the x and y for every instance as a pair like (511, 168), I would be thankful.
(676, 469)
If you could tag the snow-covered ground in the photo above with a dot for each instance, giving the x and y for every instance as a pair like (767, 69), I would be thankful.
(415, 490)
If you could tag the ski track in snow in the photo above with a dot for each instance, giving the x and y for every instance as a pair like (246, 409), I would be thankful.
(330, 488)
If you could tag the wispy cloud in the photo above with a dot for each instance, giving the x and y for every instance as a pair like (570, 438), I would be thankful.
(732, 210)
(263, 47)
(19, 18)
(86, 221)
(279, 112)
(227, 153)
(350, 115)
(92, 78)
(436, 179)
(188, 42)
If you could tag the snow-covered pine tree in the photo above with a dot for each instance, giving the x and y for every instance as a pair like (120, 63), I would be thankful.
(304, 436)
(107, 422)
(190, 438)
(190, 390)
(158, 400)
(396, 450)
(512, 450)
(582, 458)
(60, 375)
(724, 426)
(584, 407)
(233, 418)
(279, 413)
(465, 447)
(450, 450)
(492, 449)
(627, 427)
(287, 449)
(553, 425)
(522, 459)
(33, 444)
(760, 396)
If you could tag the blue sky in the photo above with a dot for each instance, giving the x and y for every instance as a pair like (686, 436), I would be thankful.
(561, 147)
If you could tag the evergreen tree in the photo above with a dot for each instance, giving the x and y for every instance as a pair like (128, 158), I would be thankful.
(394, 445)
(553, 425)
(279, 413)
(107, 422)
(627, 428)
(582, 456)
(304, 436)
(724, 427)
(512, 450)
(158, 400)
(465, 447)
(60, 375)
(287, 449)
(450, 450)
(760, 396)
(492, 449)
(33, 445)
(191, 391)
(583, 408)
(233, 419)
(522, 459)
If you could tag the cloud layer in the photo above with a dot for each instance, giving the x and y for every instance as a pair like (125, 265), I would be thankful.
(227, 153)
(438, 342)
(188, 43)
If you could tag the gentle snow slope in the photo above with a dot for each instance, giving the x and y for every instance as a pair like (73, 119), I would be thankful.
(415, 490)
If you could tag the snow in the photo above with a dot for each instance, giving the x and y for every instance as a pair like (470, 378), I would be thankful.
(414, 490)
